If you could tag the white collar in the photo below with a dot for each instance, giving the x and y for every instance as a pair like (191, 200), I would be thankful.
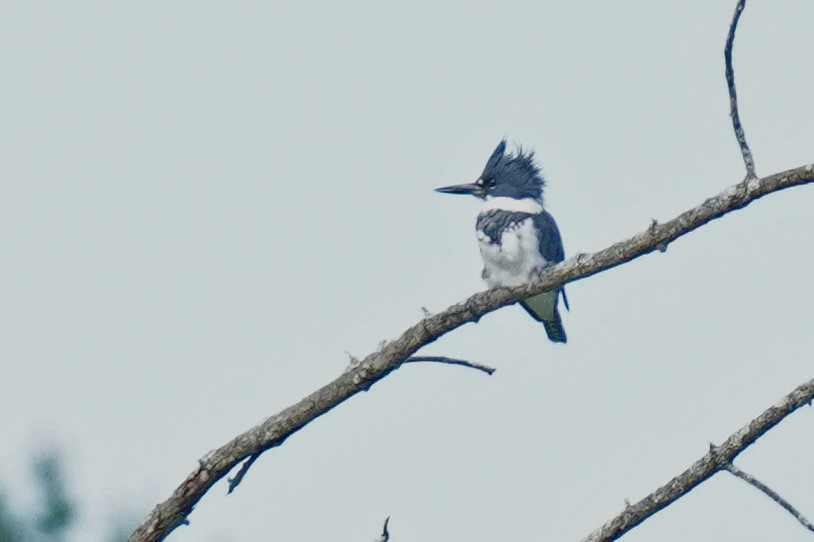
(525, 205)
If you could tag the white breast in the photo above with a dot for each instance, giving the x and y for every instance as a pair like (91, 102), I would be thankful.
(514, 257)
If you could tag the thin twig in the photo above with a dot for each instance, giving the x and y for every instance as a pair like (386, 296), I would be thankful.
(733, 96)
(451, 361)
(385, 533)
(769, 492)
(716, 460)
(244, 468)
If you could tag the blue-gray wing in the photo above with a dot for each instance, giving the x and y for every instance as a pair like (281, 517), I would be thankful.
(550, 242)
(549, 238)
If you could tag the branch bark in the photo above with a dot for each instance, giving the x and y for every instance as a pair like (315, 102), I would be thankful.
(717, 459)
(275, 430)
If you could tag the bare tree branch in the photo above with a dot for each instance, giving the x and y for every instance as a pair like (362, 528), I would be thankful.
(244, 468)
(773, 495)
(733, 95)
(275, 430)
(452, 361)
(717, 459)
(362, 375)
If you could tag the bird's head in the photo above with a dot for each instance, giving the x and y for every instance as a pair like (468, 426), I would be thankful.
(513, 176)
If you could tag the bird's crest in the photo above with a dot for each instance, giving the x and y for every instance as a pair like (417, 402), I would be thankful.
(514, 174)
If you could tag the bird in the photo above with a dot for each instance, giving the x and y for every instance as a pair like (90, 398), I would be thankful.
(517, 237)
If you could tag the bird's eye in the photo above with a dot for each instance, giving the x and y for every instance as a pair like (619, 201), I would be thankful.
(486, 184)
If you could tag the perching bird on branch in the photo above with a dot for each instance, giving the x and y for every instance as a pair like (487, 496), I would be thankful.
(517, 237)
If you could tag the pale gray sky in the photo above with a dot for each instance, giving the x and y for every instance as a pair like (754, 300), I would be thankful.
(205, 204)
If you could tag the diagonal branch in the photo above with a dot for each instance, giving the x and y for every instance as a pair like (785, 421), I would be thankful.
(769, 492)
(740, 135)
(717, 459)
(361, 376)
(276, 429)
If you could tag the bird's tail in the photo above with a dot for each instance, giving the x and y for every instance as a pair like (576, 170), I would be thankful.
(543, 308)
(554, 329)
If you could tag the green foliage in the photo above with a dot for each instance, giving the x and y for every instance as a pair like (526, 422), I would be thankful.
(57, 511)
(52, 516)
(10, 528)
(54, 513)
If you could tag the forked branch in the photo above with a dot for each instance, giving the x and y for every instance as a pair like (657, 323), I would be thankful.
(718, 458)
(362, 375)
(275, 430)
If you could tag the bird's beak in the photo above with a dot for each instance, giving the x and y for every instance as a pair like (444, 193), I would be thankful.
(473, 189)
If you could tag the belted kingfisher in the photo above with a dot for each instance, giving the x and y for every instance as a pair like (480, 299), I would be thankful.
(517, 237)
